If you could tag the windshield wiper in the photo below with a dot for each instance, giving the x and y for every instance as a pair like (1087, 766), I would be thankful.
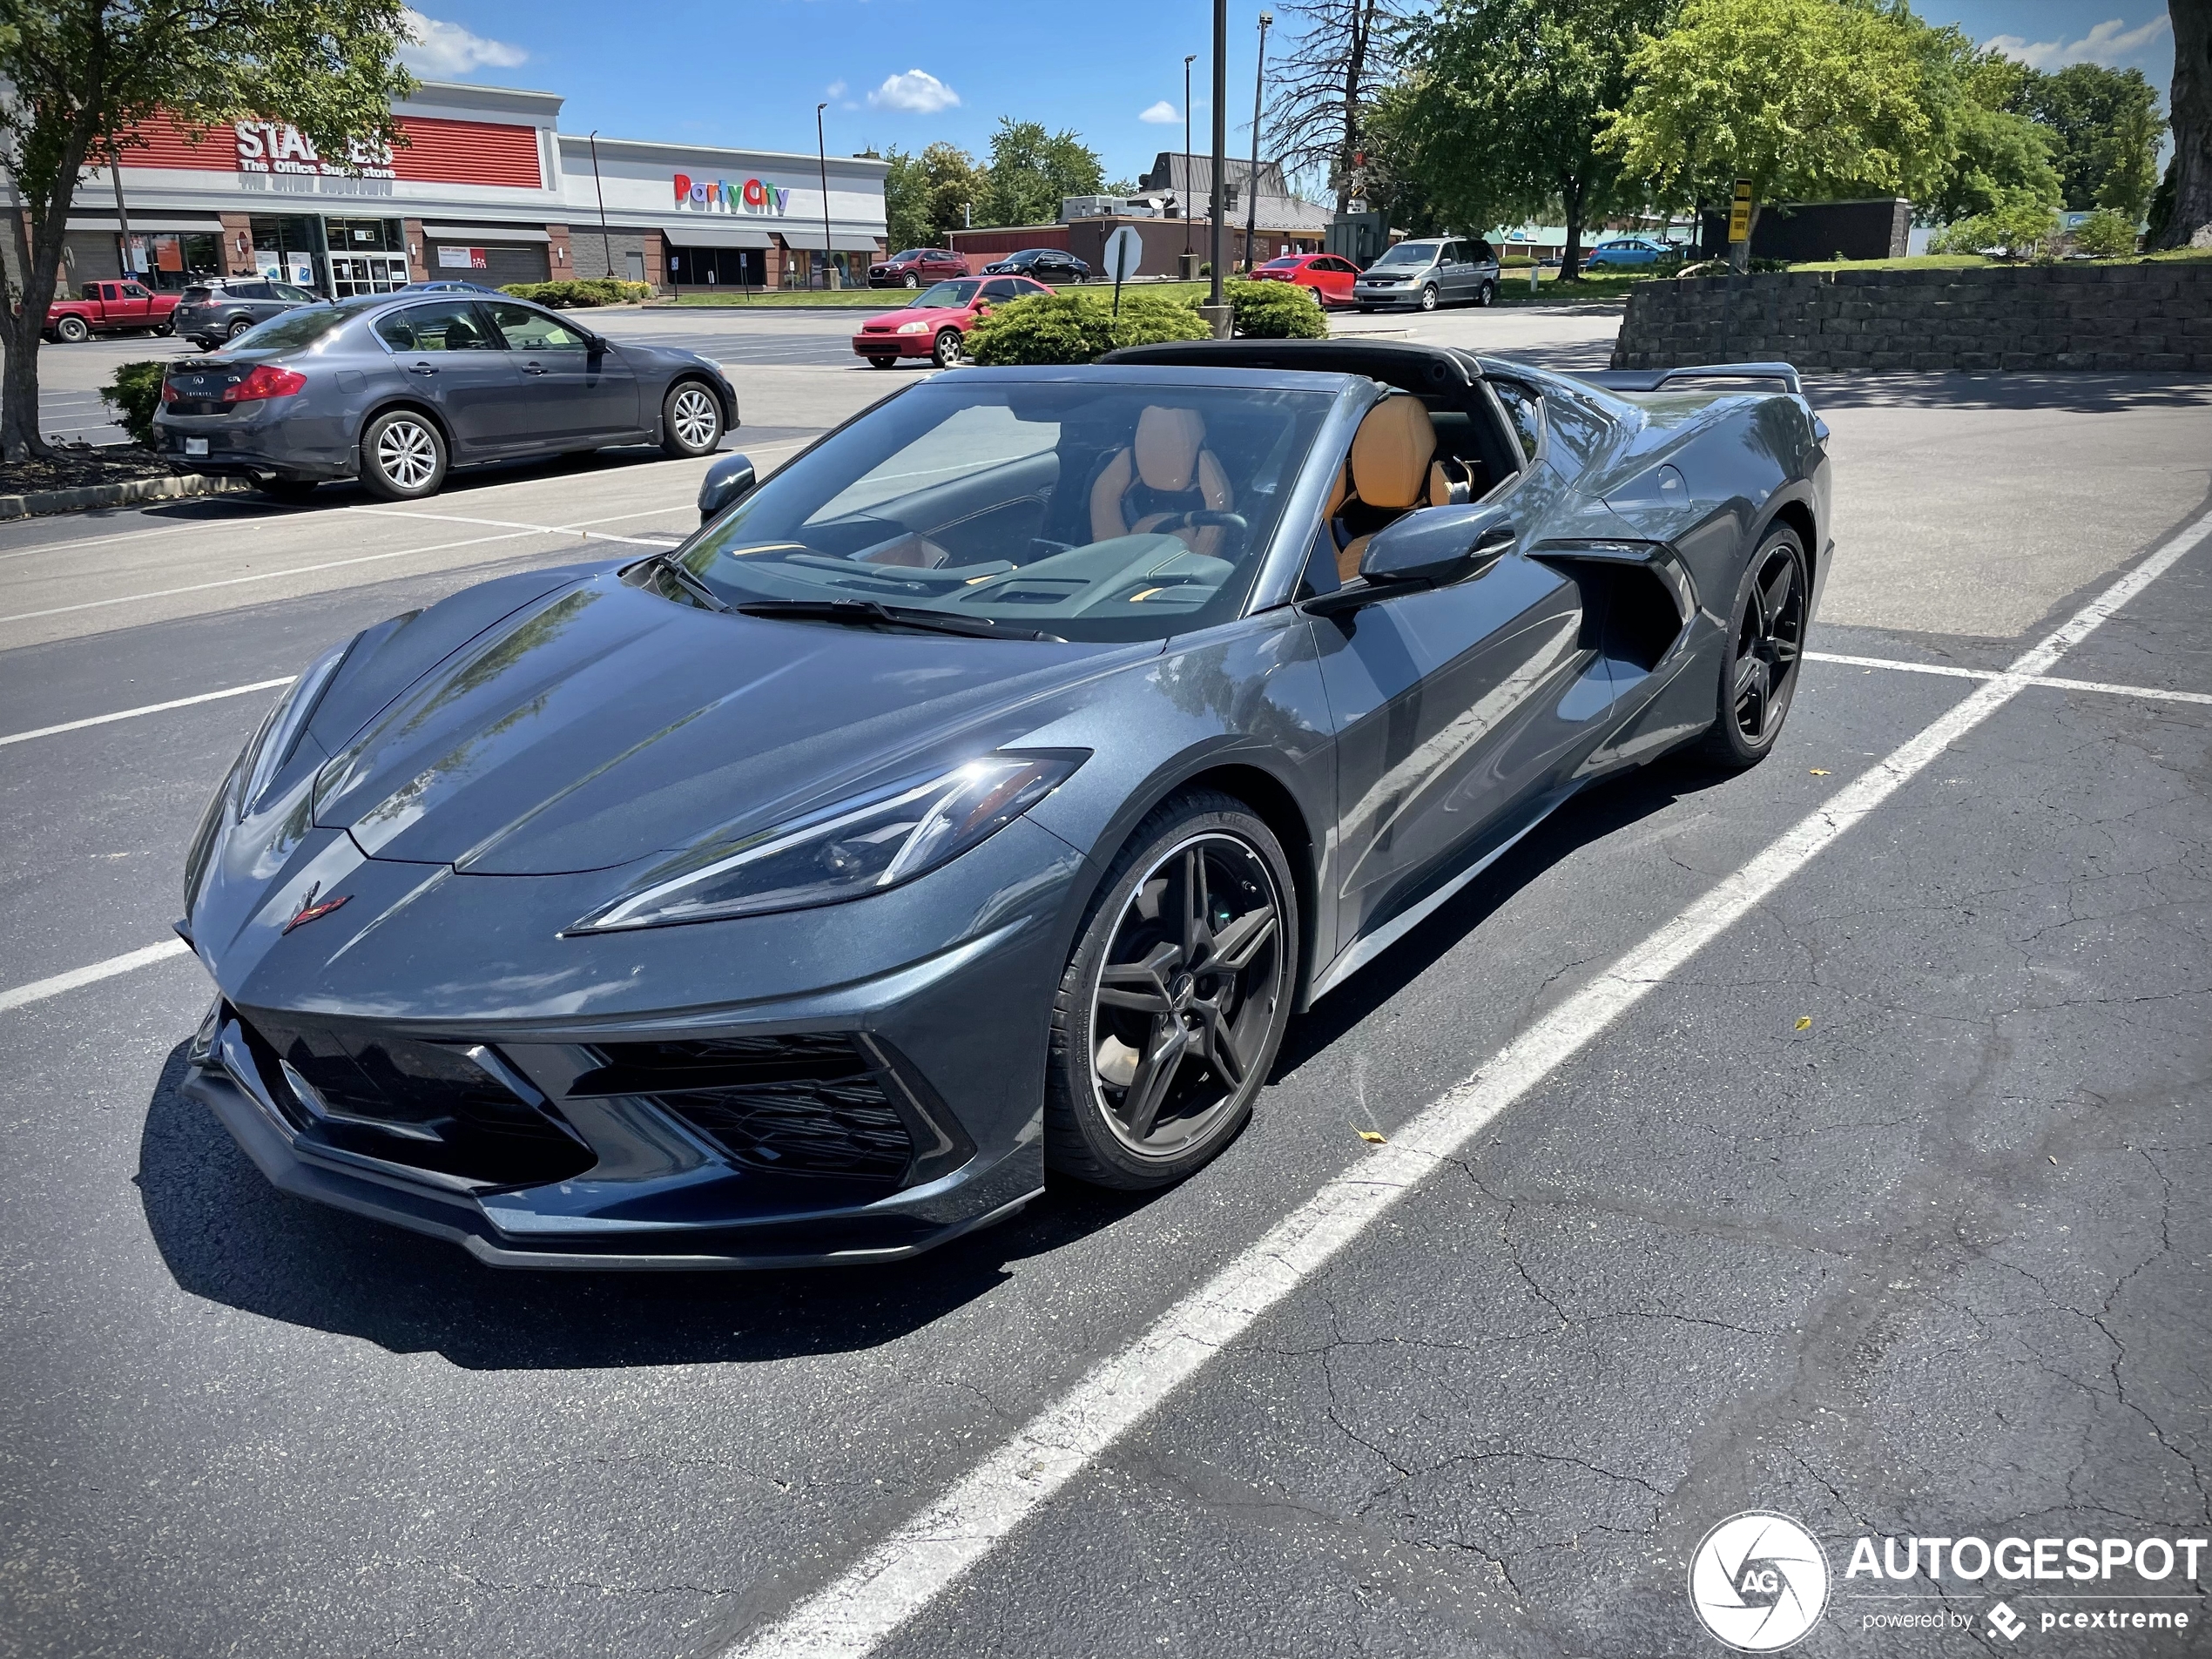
(684, 579)
(868, 613)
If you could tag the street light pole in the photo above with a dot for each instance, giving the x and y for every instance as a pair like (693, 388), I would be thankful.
(1183, 196)
(1251, 183)
(606, 242)
(1219, 242)
(821, 155)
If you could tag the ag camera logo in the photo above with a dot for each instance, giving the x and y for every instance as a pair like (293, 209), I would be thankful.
(1758, 1582)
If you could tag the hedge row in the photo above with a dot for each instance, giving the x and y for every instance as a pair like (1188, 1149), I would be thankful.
(581, 291)
(1081, 326)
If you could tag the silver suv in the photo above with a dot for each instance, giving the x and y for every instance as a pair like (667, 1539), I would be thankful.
(1433, 272)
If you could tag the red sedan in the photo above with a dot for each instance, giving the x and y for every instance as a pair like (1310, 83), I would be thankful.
(1329, 276)
(935, 323)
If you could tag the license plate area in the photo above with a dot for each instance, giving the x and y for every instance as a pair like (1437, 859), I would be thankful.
(195, 446)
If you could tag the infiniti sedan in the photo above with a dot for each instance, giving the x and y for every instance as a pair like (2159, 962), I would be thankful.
(395, 389)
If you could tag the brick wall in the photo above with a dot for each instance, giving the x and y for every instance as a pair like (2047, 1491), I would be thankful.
(2057, 316)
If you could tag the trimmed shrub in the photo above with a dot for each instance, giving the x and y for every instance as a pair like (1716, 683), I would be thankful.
(2105, 235)
(581, 292)
(135, 393)
(1080, 327)
(1275, 311)
(2019, 229)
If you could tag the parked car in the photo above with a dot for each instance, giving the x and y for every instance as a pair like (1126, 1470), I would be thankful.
(1330, 276)
(935, 323)
(1045, 264)
(208, 313)
(448, 285)
(914, 266)
(981, 795)
(394, 389)
(109, 308)
(1626, 251)
(1435, 270)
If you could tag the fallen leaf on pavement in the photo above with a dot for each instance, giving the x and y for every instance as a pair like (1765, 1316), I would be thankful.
(1370, 1137)
(1804, 1022)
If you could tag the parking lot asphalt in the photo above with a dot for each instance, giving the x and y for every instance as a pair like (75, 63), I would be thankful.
(1883, 1208)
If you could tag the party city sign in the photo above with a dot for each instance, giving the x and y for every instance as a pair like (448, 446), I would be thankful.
(719, 196)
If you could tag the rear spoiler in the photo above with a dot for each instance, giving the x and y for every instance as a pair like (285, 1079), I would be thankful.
(1658, 379)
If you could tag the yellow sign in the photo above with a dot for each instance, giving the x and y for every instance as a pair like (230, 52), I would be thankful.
(1739, 212)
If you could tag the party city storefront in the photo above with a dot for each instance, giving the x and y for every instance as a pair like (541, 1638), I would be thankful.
(485, 188)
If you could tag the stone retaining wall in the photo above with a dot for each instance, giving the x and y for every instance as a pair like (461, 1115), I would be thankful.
(2141, 316)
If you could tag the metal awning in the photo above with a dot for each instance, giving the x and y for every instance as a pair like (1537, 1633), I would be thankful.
(806, 241)
(207, 222)
(692, 233)
(483, 233)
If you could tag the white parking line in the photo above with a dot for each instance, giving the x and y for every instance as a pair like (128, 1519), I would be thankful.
(148, 708)
(920, 1558)
(39, 989)
(511, 524)
(2155, 693)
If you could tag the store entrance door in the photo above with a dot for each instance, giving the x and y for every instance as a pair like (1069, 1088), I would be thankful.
(352, 273)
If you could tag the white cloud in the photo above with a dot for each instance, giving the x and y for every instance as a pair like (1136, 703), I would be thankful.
(437, 49)
(917, 92)
(835, 89)
(1161, 114)
(2110, 42)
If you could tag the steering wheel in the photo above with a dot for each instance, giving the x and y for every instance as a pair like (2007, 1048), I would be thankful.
(1239, 530)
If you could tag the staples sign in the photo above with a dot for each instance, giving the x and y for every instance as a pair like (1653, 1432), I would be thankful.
(277, 146)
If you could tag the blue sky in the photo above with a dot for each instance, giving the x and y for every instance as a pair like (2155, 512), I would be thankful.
(909, 71)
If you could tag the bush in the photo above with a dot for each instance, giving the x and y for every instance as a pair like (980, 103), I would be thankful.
(1275, 311)
(581, 292)
(135, 394)
(2105, 235)
(1080, 327)
(2018, 229)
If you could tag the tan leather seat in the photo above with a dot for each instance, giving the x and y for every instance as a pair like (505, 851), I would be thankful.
(1393, 458)
(1167, 470)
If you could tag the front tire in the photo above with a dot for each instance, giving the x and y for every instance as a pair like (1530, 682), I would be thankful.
(1175, 999)
(947, 352)
(690, 421)
(1428, 298)
(163, 330)
(881, 362)
(403, 456)
(1758, 678)
(910, 281)
(73, 330)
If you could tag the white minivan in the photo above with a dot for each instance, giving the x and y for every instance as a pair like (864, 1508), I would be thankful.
(1429, 272)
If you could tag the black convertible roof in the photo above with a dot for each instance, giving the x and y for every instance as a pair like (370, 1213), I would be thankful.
(1395, 362)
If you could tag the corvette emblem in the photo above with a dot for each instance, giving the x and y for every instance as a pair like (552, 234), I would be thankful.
(310, 911)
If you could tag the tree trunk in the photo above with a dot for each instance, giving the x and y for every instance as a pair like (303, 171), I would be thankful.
(2192, 115)
(1355, 66)
(23, 325)
(1570, 257)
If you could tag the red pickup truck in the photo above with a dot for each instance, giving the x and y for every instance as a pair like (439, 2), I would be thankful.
(109, 307)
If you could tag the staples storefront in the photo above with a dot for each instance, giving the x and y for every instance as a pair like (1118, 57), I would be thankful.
(484, 188)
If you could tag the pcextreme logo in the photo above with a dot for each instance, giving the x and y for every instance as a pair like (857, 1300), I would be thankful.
(1758, 1582)
(719, 196)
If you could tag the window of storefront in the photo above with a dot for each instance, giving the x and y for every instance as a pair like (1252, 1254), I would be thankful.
(366, 255)
(289, 249)
(716, 267)
(169, 260)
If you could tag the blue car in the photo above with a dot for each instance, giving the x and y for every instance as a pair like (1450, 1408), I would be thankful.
(1629, 251)
(984, 792)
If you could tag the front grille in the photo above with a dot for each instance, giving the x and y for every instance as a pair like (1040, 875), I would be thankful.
(426, 1105)
(798, 1105)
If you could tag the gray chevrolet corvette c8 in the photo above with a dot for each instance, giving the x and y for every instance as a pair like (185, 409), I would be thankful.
(981, 793)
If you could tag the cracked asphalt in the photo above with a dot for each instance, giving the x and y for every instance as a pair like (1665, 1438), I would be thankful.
(1887, 1212)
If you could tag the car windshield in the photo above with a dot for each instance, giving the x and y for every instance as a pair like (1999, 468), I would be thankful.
(290, 330)
(1089, 511)
(1409, 253)
(949, 294)
(907, 253)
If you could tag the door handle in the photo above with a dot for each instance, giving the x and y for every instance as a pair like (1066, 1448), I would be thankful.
(422, 368)
(533, 368)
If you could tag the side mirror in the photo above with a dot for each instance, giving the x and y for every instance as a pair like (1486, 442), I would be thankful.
(728, 480)
(1434, 545)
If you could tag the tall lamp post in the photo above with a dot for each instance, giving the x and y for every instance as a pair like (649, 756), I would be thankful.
(1183, 196)
(821, 155)
(606, 241)
(1251, 183)
(1218, 311)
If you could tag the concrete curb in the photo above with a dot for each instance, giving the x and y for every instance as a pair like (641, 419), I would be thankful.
(138, 490)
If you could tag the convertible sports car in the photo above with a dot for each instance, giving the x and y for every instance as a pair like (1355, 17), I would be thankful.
(982, 792)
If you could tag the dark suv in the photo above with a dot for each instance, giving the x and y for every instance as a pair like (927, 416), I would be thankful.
(209, 312)
(1045, 264)
(915, 267)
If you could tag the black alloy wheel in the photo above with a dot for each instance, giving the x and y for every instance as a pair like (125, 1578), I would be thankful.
(1175, 1001)
(1759, 677)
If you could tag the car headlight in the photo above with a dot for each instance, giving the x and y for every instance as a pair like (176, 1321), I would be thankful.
(913, 327)
(853, 849)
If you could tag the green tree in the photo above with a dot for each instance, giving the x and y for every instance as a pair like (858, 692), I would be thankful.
(1505, 103)
(1991, 155)
(1031, 170)
(1809, 100)
(2106, 127)
(77, 75)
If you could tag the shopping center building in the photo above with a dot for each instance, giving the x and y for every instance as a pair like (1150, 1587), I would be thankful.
(486, 187)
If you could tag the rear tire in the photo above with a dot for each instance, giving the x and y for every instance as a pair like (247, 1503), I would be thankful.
(690, 421)
(1486, 295)
(1758, 676)
(238, 326)
(73, 330)
(163, 330)
(1203, 991)
(403, 456)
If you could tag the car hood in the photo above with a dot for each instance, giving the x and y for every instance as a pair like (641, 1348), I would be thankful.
(918, 313)
(602, 724)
